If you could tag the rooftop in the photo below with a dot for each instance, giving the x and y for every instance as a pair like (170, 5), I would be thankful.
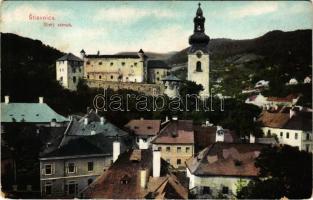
(144, 127)
(122, 180)
(70, 57)
(29, 112)
(176, 132)
(157, 64)
(226, 159)
(113, 56)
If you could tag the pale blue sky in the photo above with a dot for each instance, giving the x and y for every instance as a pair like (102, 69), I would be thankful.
(154, 26)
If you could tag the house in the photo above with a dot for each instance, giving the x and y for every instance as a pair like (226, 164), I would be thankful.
(69, 70)
(157, 70)
(144, 130)
(137, 174)
(261, 83)
(258, 100)
(176, 142)
(206, 135)
(307, 80)
(291, 127)
(292, 81)
(89, 146)
(218, 168)
(39, 114)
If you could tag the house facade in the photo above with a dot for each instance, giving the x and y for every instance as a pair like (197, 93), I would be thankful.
(289, 126)
(176, 142)
(218, 168)
(88, 148)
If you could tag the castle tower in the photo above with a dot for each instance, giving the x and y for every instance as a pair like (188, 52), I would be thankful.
(198, 54)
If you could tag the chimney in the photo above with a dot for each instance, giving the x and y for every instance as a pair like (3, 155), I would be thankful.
(166, 119)
(86, 120)
(252, 138)
(143, 178)
(101, 120)
(40, 99)
(292, 113)
(156, 163)
(116, 150)
(6, 99)
(219, 137)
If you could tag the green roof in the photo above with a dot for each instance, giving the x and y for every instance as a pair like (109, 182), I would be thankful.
(29, 112)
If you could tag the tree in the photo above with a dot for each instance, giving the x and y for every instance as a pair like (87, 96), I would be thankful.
(190, 87)
(284, 172)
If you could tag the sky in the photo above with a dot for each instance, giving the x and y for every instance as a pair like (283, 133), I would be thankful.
(119, 26)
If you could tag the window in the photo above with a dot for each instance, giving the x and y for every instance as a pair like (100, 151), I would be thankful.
(168, 149)
(71, 168)
(123, 63)
(61, 78)
(281, 134)
(111, 77)
(206, 190)
(178, 161)
(99, 77)
(48, 188)
(87, 62)
(72, 187)
(74, 79)
(198, 67)
(157, 72)
(90, 166)
(135, 64)
(225, 190)
(187, 149)
(178, 149)
(80, 70)
(100, 63)
(87, 76)
(111, 64)
(307, 147)
(48, 169)
(296, 136)
(158, 79)
(287, 135)
(144, 139)
(307, 136)
(159, 148)
(74, 70)
(269, 132)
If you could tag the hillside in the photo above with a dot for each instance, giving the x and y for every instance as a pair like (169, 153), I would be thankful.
(274, 45)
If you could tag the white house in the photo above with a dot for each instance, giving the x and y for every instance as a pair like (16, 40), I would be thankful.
(69, 69)
(292, 81)
(258, 100)
(291, 127)
(307, 80)
(219, 167)
(262, 83)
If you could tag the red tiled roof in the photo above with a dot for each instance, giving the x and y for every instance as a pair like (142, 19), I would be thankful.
(176, 132)
(288, 98)
(274, 120)
(122, 180)
(226, 159)
(144, 127)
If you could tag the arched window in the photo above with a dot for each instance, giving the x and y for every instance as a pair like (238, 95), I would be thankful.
(198, 69)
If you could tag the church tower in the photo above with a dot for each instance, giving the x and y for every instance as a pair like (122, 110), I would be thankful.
(198, 54)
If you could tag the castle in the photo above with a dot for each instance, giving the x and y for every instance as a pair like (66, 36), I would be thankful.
(137, 71)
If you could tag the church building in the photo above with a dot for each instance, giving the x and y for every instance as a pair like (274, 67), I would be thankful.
(198, 54)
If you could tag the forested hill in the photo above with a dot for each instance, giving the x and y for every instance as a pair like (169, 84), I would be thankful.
(27, 68)
(277, 46)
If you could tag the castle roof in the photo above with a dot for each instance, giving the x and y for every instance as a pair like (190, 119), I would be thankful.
(155, 64)
(70, 57)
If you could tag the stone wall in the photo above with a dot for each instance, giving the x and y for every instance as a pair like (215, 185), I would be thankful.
(148, 89)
